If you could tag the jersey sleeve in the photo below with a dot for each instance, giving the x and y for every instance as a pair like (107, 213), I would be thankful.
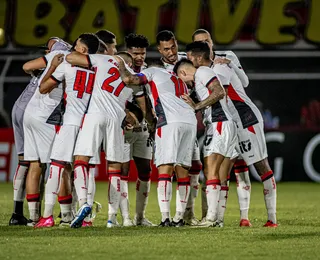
(93, 60)
(206, 76)
(224, 74)
(58, 74)
(148, 73)
(236, 66)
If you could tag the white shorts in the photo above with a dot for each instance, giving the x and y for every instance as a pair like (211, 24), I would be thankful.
(196, 151)
(137, 145)
(174, 144)
(64, 143)
(220, 138)
(252, 144)
(38, 139)
(97, 129)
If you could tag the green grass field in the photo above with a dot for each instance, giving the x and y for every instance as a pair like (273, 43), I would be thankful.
(297, 237)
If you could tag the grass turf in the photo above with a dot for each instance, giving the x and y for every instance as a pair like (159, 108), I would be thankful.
(297, 237)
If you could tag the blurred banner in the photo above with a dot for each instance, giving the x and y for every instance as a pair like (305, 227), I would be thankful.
(263, 22)
(293, 156)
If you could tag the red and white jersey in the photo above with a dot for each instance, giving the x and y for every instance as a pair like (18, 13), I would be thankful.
(110, 94)
(242, 109)
(168, 66)
(219, 111)
(165, 90)
(47, 107)
(78, 89)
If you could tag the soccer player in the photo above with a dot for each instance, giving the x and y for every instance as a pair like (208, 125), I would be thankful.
(240, 167)
(102, 124)
(221, 134)
(168, 48)
(174, 139)
(110, 41)
(42, 115)
(79, 84)
(252, 144)
(137, 141)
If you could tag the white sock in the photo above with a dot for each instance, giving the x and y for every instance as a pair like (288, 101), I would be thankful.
(213, 193)
(204, 201)
(124, 198)
(19, 181)
(243, 191)
(65, 207)
(223, 197)
(52, 188)
(182, 196)
(194, 190)
(270, 195)
(114, 192)
(91, 184)
(33, 205)
(142, 193)
(164, 191)
(74, 204)
(81, 181)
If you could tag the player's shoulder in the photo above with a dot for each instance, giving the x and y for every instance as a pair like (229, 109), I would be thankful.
(226, 54)
(182, 55)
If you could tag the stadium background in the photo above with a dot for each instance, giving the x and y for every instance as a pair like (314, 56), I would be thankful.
(277, 42)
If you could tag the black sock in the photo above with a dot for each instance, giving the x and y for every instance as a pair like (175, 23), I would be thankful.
(18, 207)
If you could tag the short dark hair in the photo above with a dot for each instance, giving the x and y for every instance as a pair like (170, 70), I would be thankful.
(199, 31)
(91, 40)
(165, 36)
(199, 48)
(126, 56)
(106, 36)
(136, 40)
(181, 63)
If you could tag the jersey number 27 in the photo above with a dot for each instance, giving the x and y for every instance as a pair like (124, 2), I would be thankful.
(115, 75)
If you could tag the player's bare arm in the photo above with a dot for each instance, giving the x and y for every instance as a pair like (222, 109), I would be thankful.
(78, 59)
(217, 93)
(47, 83)
(35, 64)
(127, 77)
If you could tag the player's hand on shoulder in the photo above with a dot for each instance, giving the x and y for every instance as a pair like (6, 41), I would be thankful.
(57, 60)
(221, 61)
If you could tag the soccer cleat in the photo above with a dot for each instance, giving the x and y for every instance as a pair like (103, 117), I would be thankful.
(31, 223)
(17, 220)
(219, 224)
(189, 218)
(64, 224)
(245, 223)
(207, 223)
(111, 224)
(143, 222)
(127, 222)
(270, 224)
(165, 223)
(45, 222)
(87, 223)
(180, 223)
(84, 211)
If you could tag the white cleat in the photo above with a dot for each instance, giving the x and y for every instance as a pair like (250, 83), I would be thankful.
(143, 222)
(127, 222)
(207, 223)
(219, 224)
(111, 224)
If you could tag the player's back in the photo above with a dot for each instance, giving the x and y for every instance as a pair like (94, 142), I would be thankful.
(165, 91)
(110, 93)
(44, 106)
(27, 93)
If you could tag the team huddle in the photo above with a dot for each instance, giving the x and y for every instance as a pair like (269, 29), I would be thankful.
(87, 98)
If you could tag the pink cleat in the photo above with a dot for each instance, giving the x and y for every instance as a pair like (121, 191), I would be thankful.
(245, 223)
(87, 224)
(45, 222)
(270, 224)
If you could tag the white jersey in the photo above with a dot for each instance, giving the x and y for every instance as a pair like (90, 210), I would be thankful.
(218, 112)
(168, 66)
(242, 109)
(164, 90)
(110, 94)
(47, 107)
(79, 85)
(234, 64)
